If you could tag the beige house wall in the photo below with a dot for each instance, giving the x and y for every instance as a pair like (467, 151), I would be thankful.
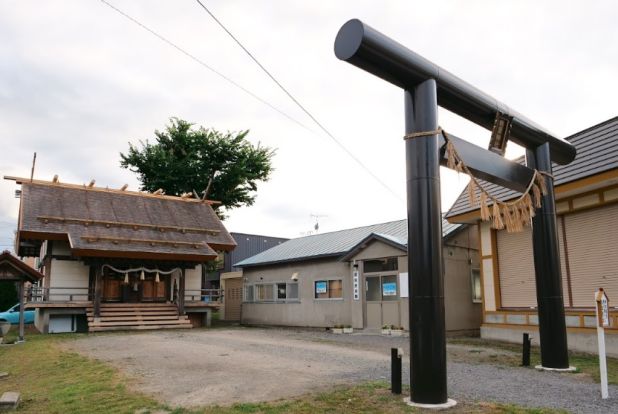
(308, 311)
(508, 323)
(460, 257)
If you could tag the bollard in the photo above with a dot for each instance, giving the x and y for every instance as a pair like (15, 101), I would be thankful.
(396, 354)
(525, 358)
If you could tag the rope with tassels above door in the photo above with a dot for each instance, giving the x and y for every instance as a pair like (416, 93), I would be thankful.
(142, 270)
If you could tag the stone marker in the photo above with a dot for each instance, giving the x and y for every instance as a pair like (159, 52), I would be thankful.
(9, 400)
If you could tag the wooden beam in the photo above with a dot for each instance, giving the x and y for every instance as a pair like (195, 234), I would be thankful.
(152, 242)
(98, 288)
(21, 311)
(181, 293)
(134, 226)
(198, 257)
(21, 180)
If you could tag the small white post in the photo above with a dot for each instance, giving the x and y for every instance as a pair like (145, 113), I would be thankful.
(602, 310)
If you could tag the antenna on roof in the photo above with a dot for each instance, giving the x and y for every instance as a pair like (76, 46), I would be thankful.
(316, 226)
(33, 164)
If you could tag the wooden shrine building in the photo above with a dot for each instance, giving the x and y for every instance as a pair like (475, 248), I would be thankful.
(117, 259)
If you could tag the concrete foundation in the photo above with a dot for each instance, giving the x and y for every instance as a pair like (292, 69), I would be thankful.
(578, 341)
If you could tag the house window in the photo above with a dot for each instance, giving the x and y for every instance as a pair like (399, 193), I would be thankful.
(281, 291)
(249, 293)
(475, 277)
(271, 292)
(264, 293)
(381, 265)
(328, 289)
(292, 292)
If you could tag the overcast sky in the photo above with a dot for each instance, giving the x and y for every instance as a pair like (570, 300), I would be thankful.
(78, 82)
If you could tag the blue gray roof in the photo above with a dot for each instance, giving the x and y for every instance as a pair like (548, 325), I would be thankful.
(336, 243)
(597, 152)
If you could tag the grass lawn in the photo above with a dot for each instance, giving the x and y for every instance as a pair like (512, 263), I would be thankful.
(585, 363)
(53, 380)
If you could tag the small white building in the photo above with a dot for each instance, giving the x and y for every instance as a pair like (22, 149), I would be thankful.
(357, 277)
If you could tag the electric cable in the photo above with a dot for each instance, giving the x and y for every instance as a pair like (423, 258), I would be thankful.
(297, 102)
(250, 93)
(204, 64)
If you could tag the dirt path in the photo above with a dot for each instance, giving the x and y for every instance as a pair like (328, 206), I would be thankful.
(227, 366)
(230, 365)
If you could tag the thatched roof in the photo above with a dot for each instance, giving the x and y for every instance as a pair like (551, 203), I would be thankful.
(115, 223)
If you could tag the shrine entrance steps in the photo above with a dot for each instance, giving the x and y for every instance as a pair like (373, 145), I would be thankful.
(136, 316)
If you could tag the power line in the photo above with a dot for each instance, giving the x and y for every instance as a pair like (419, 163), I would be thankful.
(248, 92)
(305, 110)
(204, 64)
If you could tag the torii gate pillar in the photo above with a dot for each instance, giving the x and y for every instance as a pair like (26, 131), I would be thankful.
(549, 298)
(426, 304)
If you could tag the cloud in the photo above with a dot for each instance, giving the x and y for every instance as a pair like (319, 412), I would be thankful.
(78, 82)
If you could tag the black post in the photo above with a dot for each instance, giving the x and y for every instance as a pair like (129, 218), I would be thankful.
(550, 304)
(426, 304)
(395, 371)
(525, 356)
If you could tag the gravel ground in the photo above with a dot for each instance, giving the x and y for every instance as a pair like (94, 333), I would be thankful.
(225, 366)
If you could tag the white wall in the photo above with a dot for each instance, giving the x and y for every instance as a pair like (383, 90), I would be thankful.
(193, 282)
(68, 273)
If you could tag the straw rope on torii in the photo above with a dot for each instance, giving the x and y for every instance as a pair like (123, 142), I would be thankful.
(510, 215)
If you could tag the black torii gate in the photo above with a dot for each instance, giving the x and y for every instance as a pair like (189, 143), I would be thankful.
(426, 86)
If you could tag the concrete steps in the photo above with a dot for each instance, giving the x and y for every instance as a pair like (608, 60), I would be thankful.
(9, 400)
(136, 316)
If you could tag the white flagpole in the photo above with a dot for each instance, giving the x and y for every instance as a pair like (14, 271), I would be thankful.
(601, 341)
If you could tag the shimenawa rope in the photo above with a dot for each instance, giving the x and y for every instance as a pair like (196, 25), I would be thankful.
(512, 215)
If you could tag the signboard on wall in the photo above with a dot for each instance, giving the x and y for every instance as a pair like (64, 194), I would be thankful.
(389, 289)
(320, 287)
(356, 285)
(403, 285)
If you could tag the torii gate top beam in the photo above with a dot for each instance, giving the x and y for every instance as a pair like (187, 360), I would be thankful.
(368, 49)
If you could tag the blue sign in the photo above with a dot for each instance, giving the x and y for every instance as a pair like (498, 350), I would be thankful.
(389, 289)
(320, 287)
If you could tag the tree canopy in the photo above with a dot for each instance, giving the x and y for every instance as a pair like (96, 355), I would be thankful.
(187, 159)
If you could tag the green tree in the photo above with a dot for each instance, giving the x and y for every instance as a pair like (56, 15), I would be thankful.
(214, 165)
